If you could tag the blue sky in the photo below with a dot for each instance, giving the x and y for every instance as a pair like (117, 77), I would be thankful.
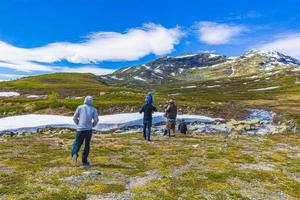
(100, 36)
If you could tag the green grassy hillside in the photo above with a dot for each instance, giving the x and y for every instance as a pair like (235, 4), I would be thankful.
(65, 92)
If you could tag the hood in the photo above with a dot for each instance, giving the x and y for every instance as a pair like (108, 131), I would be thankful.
(88, 100)
(149, 98)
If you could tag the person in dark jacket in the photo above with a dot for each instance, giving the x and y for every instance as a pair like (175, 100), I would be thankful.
(171, 114)
(182, 127)
(148, 109)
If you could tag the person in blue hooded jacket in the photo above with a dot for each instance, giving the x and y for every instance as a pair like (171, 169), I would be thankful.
(85, 118)
(148, 109)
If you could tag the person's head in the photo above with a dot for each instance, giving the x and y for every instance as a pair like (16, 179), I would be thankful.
(149, 98)
(171, 102)
(182, 120)
(88, 100)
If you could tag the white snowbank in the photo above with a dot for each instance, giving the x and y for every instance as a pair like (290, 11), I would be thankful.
(32, 122)
(9, 94)
(190, 86)
(267, 88)
(213, 86)
(33, 96)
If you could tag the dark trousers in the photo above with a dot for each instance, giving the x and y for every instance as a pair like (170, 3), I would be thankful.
(82, 136)
(147, 129)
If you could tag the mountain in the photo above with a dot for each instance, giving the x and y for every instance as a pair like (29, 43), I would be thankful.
(202, 66)
(164, 69)
(258, 63)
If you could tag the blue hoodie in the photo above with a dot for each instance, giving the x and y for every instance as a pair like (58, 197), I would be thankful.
(86, 116)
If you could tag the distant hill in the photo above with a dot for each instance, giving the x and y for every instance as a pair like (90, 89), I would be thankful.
(65, 84)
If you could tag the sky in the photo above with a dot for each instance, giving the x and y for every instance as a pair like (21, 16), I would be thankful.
(100, 36)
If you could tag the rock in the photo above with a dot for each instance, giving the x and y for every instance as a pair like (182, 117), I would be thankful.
(118, 131)
(242, 127)
(260, 114)
(195, 145)
(3, 140)
(253, 122)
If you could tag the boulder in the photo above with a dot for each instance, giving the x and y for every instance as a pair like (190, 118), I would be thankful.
(3, 140)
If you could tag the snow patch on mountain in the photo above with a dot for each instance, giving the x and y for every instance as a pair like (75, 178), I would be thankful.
(187, 87)
(266, 88)
(139, 78)
(9, 94)
(185, 56)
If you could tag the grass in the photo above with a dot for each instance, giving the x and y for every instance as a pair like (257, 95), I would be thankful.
(213, 170)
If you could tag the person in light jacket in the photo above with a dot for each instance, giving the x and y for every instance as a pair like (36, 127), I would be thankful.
(85, 118)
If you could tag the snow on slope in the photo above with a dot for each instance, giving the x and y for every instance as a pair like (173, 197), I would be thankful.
(9, 94)
(139, 78)
(185, 56)
(33, 122)
(267, 88)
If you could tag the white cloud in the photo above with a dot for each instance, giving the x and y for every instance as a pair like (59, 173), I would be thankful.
(100, 46)
(25, 66)
(7, 77)
(216, 34)
(285, 43)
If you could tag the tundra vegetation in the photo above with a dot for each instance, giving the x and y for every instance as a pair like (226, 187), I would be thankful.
(204, 166)
(211, 166)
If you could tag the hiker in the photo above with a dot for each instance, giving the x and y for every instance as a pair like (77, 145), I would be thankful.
(85, 117)
(182, 127)
(148, 110)
(171, 114)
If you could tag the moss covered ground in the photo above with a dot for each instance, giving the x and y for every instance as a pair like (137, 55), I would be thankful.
(210, 166)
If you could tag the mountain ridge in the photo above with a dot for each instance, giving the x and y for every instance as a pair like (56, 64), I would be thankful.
(198, 66)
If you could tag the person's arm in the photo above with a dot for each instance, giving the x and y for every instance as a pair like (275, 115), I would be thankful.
(95, 118)
(76, 116)
(168, 109)
(154, 109)
(142, 109)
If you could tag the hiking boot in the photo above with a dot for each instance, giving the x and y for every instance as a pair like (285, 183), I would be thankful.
(86, 164)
